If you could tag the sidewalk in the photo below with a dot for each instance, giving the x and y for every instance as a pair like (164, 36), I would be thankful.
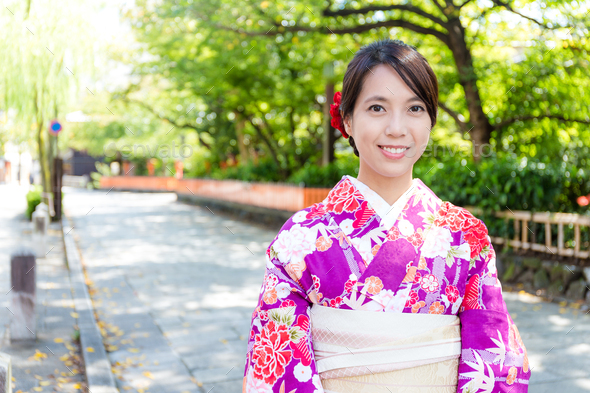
(176, 285)
(52, 363)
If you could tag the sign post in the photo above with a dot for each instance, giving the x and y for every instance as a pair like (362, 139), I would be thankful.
(57, 173)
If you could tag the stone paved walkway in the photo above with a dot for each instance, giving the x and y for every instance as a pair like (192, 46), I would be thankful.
(52, 362)
(175, 286)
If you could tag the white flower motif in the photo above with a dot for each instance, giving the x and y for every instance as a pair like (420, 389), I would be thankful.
(317, 384)
(299, 216)
(363, 246)
(437, 243)
(283, 290)
(271, 281)
(294, 244)
(492, 265)
(429, 283)
(254, 385)
(380, 301)
(463, 251)
(302, 373)
(405, 227)
(346, 226)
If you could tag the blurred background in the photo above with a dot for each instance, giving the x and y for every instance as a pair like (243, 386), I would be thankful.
(144, 124)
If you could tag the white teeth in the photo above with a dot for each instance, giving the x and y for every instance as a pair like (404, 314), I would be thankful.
(395, 151)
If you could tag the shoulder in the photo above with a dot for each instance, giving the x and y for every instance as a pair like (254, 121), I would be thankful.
(458, 219)
(474, 231)
(298, 235)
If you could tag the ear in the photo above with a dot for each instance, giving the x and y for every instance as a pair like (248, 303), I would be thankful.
(348, 125)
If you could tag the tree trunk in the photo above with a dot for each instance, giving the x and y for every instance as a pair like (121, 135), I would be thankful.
(480, 129)
(42, 143)
(240, 123)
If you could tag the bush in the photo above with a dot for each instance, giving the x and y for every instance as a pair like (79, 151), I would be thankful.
(265, 170)
(33, 199)
(325, 176)
(103, 170)
(494, 184)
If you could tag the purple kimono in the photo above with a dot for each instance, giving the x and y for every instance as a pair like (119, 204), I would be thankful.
(355, 251)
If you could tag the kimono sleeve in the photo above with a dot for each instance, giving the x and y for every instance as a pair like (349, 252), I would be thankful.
(280, 353)
(493, 356)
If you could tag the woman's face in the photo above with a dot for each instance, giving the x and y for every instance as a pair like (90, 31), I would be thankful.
(388, 116)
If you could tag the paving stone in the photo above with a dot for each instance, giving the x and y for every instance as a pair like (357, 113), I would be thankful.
(225, 387)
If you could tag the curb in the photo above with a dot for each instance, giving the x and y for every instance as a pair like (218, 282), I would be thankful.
(98, 367)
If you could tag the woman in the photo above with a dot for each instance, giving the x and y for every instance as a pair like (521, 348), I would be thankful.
(383, 286)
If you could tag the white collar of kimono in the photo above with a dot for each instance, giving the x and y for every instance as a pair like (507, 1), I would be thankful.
(388, 213)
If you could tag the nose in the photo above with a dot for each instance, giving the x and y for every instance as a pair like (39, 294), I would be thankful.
(396, 126)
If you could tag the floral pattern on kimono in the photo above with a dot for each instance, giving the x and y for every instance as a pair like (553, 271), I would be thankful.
(354, 251)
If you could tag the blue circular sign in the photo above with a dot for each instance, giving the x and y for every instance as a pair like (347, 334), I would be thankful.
(55, 127)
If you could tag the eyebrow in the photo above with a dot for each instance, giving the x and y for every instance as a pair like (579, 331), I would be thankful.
(381, 98)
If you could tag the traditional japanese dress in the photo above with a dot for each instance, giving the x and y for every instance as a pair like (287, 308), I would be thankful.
(361, 296)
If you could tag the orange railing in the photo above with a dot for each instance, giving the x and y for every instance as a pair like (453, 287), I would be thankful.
(269, 195)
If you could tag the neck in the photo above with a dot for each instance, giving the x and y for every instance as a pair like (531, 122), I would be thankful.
(388, 188)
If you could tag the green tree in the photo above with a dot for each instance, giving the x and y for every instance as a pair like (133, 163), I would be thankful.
(463, 29)
(44, 53)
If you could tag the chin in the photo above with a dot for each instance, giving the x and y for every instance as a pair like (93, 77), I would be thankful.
(391, 170)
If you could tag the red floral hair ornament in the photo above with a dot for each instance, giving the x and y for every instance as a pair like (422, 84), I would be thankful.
(335, 113)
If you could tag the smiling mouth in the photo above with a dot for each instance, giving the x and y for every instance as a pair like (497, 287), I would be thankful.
(394, 150)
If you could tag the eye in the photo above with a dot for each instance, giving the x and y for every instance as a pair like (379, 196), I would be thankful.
(376, 106)
(418, 106)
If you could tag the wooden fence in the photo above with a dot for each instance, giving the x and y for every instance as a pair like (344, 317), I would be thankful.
(524, 238)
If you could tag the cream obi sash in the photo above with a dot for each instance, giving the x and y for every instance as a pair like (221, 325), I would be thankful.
(366, 351)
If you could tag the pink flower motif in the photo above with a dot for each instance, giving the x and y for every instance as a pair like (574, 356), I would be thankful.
(316, 282)
(335, 303)
(263, 314)
(349, 285)
(429, 283)
(270, 353)
(452, 293)
(343, 198)
(317, 210)
(288, 303)
(393, 234)
(417, 277)
(412, 299)
(416, 239)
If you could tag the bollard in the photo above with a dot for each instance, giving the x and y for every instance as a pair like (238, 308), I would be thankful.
(22, 303)
(40, 226)
(5, 374)
(41, 219)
